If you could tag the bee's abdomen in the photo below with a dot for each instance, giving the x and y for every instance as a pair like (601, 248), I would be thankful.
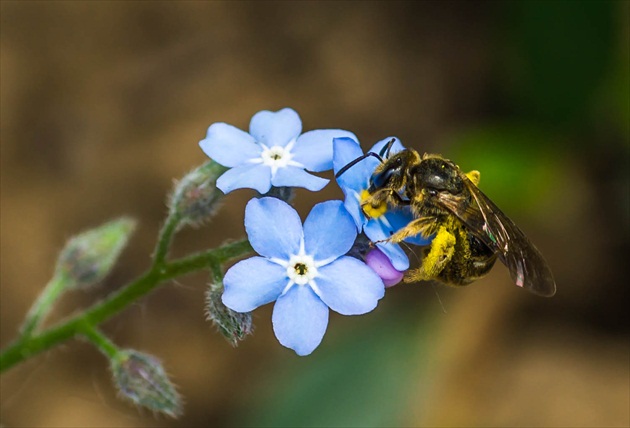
(471, 260)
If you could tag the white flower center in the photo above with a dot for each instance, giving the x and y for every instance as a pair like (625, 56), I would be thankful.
(276, 156)
(301, 269)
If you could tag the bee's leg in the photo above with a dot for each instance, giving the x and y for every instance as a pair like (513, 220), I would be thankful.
(378, 200)
(439, 255)
(422, 225)
(399, 200)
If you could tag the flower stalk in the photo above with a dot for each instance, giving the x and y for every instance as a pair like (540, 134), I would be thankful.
(85, 260)
(42, 306)
(102, 342)
(29, 346)
(307, 268)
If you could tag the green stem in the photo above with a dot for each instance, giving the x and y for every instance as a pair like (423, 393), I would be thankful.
(101, 341)
(26, 347)
(166, 235)
(42, 306)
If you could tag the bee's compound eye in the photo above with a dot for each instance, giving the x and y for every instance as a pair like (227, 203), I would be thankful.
(432, 192)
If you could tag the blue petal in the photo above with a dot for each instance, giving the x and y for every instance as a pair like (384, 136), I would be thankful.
(345, 150)
(375, 230)
(386, 225)
(292, 176)
(400, 219)
(349, 287)
(352, 205)
(249, 176)
(252, 283)
(274, 228)
(275, 128)
(314, 149)
(229, 146)
(395, 254)
(300, 319)
(329, 231)
(357, 177)
(396, 147)
(419, 240)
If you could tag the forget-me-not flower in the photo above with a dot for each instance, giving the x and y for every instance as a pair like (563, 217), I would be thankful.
(303, 269)
(272, 154)
(354, 183)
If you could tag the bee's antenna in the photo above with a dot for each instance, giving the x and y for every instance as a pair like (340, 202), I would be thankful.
(356, 161)
(384, 153)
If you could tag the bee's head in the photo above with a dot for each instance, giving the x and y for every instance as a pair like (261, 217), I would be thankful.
(437, 174)
(392, 173)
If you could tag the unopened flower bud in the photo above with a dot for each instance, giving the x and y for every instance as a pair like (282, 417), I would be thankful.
(378, 261)
(88, 257)
(234, 326)
(196, 197)
(141, 379)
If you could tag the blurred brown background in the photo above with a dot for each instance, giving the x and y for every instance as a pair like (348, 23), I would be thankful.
(103, 104)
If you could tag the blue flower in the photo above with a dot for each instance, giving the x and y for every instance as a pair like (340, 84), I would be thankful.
(303, 269)
(272, 154)
(354, 183)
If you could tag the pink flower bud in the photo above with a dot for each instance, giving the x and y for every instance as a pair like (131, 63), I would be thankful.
(380, 264)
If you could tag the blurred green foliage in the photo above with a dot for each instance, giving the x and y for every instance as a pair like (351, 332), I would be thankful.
(515, 175)
(558, 54)
(562, 74)
(361, 380)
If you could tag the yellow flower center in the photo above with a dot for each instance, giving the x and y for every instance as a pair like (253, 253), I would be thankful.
(301, 269)
(369, 210)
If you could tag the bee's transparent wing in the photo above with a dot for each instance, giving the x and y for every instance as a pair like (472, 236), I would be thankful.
(485, 220)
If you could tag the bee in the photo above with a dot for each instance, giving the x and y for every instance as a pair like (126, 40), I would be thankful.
(469, 231)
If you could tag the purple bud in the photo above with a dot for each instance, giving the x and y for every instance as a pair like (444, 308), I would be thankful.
(141, 379)
(195, 197)
(378, 261)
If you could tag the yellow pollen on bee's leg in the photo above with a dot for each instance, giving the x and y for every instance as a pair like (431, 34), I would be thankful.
(474, 176)
(440, 253)
(368, 209)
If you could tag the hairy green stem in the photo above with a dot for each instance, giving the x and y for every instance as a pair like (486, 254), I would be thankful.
(26, 347)
(44, 303)
(164, 240)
